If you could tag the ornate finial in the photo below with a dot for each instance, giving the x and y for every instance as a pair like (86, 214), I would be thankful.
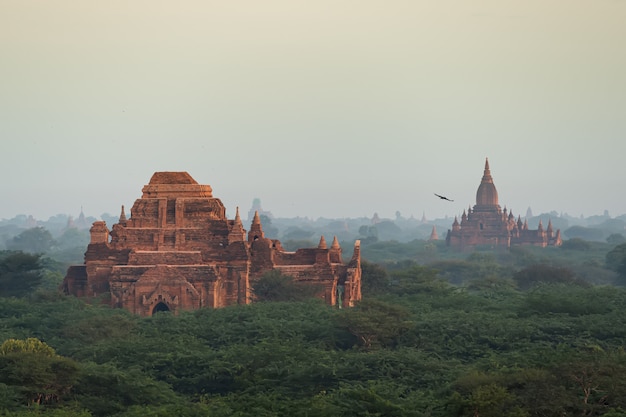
(237, 217)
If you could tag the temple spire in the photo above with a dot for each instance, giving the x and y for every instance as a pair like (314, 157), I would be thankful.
(433, 234)
(256, 230)
(335, 244)
(487, 195)
(487, 173)
(456, 225)
(122, 218)
(550, 229)
(322, 244)
(237, 232)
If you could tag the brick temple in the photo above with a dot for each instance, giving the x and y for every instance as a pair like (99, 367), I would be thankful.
(178, 251)
(487, 224)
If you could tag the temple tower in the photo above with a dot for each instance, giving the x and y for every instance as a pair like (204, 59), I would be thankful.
(488, 225)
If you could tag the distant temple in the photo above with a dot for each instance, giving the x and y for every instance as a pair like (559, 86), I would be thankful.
(178, 251)
(433, 235)
(257, 209)
(487, 224)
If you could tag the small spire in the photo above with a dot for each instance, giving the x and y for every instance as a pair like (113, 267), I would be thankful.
(433, 234)
(455, 225)
(256, 230)
(322, 244)
(335, 244)
(487, 173)
(550, 229)
(236, 233)
(122, 216)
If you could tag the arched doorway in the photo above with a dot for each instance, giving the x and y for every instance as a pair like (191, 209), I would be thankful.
(161, 307)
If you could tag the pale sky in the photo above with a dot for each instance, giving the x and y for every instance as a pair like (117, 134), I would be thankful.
(325, 108)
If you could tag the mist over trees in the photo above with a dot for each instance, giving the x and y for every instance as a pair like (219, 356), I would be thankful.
(67, 233)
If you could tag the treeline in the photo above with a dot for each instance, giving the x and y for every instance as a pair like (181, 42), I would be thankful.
(482, 338)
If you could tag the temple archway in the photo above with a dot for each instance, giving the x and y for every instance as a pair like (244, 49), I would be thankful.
(159, 308)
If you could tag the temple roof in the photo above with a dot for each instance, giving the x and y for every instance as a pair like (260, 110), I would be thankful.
(173, 185)
(169, 177)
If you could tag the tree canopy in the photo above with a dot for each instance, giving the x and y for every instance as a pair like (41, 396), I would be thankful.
(524, 332)
(20, 273)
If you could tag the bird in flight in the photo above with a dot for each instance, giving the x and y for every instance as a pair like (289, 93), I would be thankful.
(442, 197)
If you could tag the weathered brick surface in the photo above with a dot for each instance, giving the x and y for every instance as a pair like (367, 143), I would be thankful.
(178, 251)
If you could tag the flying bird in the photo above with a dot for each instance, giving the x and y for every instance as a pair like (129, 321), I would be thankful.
(442, 197)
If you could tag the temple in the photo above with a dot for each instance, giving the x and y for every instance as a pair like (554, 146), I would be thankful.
(178, 251)
(488, 225)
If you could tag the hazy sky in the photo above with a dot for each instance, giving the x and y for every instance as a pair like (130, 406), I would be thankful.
(325, 108)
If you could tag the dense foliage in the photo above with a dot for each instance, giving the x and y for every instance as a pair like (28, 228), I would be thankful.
(481, 334)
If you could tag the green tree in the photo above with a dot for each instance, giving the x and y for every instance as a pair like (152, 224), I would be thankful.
(105, 390)
(30, 345)
(565, 299)
(576, 243)
(20, 273)
(616, 239)
(376, 323)
(275, 286)
(546, 274)
(417, 279)
(34, 240)
(594, 377)
(616, 260)
(39, 374)
(374, 279)
(492, 401)
(586, 233)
